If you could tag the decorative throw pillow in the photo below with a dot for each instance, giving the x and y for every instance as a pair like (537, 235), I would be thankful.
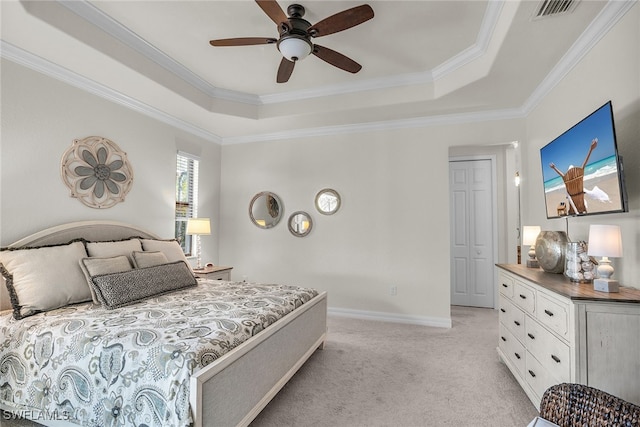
(111, 249)
(42, 279)
(95, 266)
(148, 259)
(171, 249)
(128, 287)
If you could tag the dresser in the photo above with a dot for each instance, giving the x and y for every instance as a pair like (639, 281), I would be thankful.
(553, 331)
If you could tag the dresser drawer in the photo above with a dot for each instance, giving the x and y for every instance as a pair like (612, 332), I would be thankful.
(505, 285)
(214, 273)
(512, 317)
(220, 275)
(524, 297)
(538, 378)
(513, 349)
(553, 354)
(504, 338)
(554, 314)
(504, 309)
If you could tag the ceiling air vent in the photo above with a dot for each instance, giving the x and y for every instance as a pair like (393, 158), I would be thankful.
(554, 7)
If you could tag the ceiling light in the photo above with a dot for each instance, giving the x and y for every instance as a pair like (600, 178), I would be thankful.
(294, 47)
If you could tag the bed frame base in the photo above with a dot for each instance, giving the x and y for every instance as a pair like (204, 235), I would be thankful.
(236, 387)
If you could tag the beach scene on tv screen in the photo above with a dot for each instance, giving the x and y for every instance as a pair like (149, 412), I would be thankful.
(580, 169)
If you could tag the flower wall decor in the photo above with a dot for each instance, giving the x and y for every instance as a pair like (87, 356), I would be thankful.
(97, 172)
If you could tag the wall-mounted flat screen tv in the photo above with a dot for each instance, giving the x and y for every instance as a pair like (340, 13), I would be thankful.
(581, 169)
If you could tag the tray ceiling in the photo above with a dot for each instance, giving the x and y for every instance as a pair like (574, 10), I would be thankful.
(422, 61)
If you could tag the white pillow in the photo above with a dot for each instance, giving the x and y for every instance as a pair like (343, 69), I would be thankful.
(42, 279)
(171, 249)
(96, 266)
(111, 249)
(148, 259)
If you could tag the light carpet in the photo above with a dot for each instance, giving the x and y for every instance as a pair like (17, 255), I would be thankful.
(385, 374)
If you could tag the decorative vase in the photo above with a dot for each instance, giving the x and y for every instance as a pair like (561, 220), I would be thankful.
(579, 267)
(550, 250)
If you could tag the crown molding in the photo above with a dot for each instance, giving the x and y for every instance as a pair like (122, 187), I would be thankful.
(43, 66)
(96, 17)
(446, 119)
(489, 22)
(601, 25)
(608, 17)
(103, 21)
(408, 79)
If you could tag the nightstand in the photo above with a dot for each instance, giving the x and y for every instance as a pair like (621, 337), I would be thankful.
(217, 272)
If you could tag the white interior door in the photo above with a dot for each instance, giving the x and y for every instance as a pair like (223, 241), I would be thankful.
(472, 246)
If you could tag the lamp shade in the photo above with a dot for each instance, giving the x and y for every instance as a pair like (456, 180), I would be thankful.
(530, 234)
(198, 226)
(294, 48)
(605, 240)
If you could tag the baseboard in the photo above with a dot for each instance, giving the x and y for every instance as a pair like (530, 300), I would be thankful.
(439, 322)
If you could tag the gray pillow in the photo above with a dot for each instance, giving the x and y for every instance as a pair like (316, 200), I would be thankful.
(96, 266)
(120, 289)
(45, 278)
(148, 259)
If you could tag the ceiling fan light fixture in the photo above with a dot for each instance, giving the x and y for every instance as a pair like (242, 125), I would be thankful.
(295, 35)
(295, 47)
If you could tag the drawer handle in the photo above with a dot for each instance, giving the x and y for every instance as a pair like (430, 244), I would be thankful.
(555, 358)
(516, 322)
(531, 336)
(517, 355)
(503, 339)
(503, 310)
(533, 374)
(549, 313)
(523, 296)
(504, 286)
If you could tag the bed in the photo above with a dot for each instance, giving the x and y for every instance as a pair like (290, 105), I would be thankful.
(166, 358)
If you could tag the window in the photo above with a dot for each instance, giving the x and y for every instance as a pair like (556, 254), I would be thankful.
(186, 197)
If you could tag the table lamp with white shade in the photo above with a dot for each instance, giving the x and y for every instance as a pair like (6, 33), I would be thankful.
(605, 241)
(198, 227)
(529, 236)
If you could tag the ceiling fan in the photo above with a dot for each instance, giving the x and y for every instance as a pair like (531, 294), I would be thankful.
(295, 36)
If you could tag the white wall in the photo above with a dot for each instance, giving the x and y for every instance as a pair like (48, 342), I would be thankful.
(392, 228)
(42, 116)
(610, 71)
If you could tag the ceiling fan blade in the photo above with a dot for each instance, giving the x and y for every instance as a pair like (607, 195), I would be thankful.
(341, 21)
(336, 59)
(285, 70)
(273, 11)
(242, 41)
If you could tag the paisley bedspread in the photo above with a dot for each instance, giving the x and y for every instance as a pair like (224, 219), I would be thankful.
(131, 366)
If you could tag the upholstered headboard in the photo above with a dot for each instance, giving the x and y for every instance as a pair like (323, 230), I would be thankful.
(95, 231)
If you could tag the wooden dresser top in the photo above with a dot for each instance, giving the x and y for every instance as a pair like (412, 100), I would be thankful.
(561, 285)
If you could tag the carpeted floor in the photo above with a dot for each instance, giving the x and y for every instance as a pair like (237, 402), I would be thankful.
(384, 374)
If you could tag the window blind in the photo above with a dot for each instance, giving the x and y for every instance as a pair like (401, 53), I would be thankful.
(186, 196)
